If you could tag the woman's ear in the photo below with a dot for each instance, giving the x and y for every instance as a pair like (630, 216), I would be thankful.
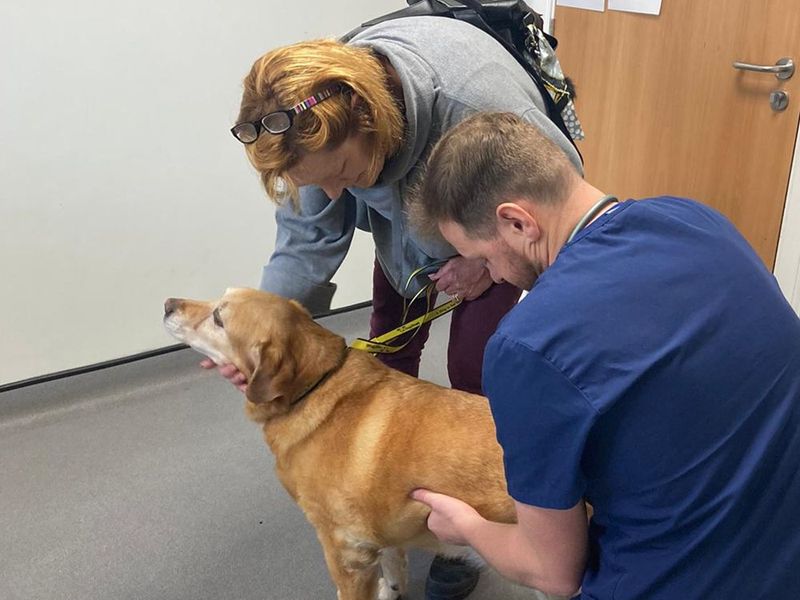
(357, 104)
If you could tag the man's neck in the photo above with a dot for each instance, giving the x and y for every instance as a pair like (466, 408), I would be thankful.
(562, 219)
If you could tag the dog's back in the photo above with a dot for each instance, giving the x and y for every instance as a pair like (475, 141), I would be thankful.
(387, 435)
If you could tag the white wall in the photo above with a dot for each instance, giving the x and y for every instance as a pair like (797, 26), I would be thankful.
(120, 184)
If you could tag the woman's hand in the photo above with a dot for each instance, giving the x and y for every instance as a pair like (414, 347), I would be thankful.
(229, 372)
(450, 519)
(465, 278)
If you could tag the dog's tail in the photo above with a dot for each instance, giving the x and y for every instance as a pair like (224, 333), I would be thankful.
(465, 553)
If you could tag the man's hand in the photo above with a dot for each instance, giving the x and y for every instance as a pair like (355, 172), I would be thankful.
(229, 372)
(465, 278)
(450, 519)
(545, 549)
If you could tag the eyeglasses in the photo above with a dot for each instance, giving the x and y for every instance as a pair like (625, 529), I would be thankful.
(279, 121)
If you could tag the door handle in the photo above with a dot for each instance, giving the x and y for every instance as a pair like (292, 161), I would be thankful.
(783, 69)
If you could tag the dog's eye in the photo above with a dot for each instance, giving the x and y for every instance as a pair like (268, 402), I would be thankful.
(217, 318)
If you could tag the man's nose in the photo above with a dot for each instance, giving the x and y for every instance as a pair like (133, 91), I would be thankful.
(495, 277)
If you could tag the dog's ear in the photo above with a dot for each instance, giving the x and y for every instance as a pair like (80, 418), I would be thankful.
(274, 376)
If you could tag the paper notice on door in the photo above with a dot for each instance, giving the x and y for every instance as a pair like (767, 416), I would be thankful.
(598, 5)
(647, 7)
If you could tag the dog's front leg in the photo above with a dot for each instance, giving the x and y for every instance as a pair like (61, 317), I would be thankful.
(352, 564)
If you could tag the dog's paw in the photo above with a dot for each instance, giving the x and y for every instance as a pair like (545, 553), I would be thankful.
(387, 591)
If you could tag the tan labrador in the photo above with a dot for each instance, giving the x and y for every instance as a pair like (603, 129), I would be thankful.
(351, 437)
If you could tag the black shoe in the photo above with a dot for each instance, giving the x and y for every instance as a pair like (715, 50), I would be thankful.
(450, 579)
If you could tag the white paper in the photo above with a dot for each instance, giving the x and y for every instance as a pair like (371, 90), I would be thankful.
(598, 5)
(647, 7)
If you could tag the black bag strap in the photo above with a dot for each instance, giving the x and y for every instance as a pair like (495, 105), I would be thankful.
(480, 14)
(476, 18)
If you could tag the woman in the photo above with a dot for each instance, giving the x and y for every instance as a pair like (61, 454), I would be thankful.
(338, 132)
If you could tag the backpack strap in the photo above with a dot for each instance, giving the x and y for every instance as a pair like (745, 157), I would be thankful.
(475, 16)
(478, 14)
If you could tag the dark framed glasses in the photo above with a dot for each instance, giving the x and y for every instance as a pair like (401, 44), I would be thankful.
(279, 121)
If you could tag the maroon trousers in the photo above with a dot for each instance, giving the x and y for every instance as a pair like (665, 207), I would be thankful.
(471, 325)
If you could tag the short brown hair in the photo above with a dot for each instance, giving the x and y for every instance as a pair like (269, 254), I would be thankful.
(485, 160)
(289, 74)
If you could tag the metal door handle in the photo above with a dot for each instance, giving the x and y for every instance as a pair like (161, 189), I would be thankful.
(783, 69)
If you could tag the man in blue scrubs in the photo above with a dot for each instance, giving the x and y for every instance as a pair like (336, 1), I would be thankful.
(653, 371)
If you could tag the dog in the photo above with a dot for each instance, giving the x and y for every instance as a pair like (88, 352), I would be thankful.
(351, 437)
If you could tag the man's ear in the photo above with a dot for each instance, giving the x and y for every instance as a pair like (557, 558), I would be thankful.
(516, 223)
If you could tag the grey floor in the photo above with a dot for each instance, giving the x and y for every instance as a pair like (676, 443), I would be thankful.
(147, 481)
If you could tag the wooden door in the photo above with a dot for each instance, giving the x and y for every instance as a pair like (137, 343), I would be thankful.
(665, 112)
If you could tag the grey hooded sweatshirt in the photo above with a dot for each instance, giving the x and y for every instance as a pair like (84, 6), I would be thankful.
(448, 70)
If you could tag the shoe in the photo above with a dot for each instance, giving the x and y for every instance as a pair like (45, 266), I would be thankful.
(450, 579)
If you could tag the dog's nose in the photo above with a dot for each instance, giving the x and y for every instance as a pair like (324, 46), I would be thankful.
(170, 306)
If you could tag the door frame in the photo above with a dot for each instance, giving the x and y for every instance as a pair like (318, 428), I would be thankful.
(547, 8)
(787, 261)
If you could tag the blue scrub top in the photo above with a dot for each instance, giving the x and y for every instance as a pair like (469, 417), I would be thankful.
(654, 369)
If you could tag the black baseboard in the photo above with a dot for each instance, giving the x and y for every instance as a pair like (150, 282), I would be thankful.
(15, 385)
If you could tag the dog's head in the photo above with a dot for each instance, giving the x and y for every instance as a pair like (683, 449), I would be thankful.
(273, 341)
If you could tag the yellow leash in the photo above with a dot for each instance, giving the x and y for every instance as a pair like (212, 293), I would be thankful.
(379, 345)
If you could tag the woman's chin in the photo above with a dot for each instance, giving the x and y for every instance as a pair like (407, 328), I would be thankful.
(362, 182)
